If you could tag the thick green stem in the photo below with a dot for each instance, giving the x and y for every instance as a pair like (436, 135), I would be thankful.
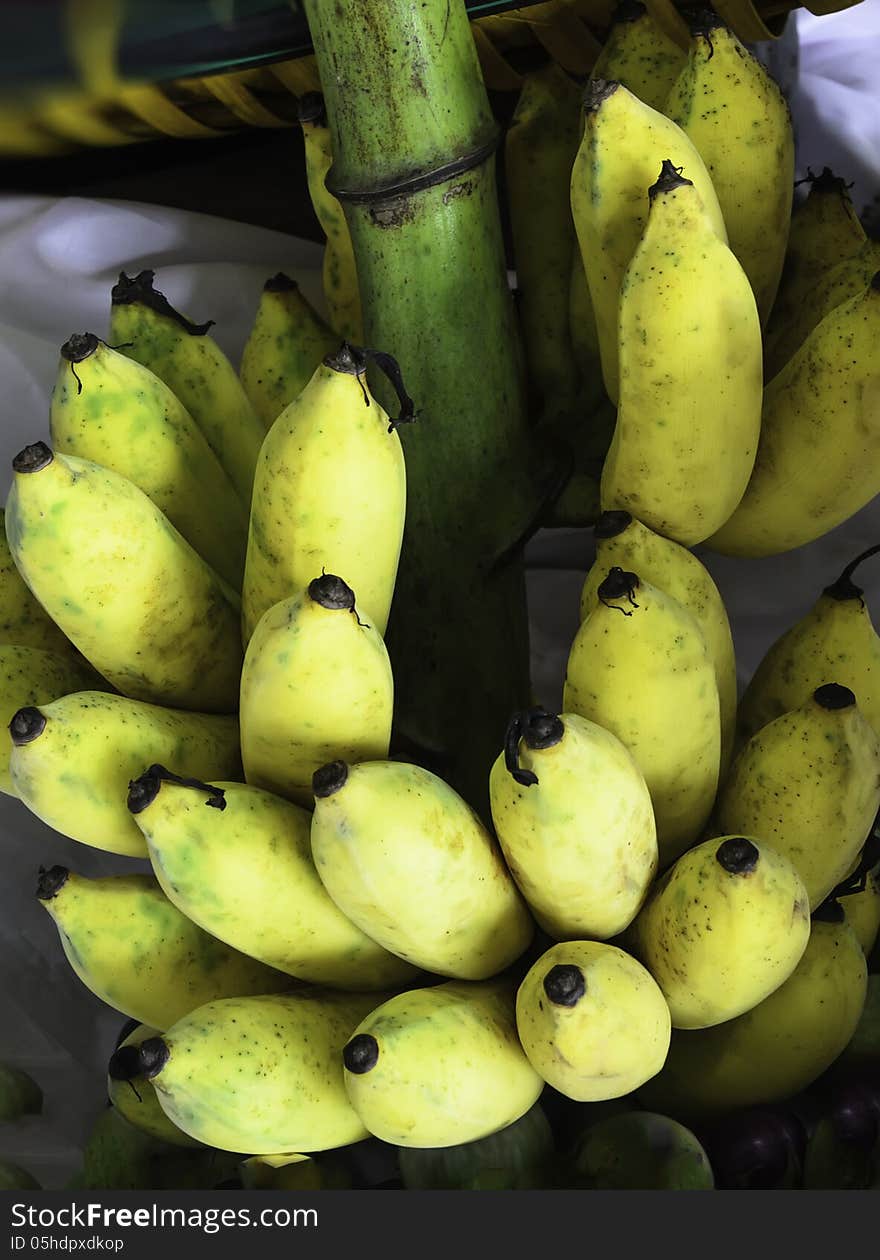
(413, 139)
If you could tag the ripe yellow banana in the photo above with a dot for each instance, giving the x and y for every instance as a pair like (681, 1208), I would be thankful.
(341, 290)
(685, 440)
(316, 685)
(835, 639)
(723, 928)
(146, 326)
(440, 1066)
(73, 757)
(592, 1021)
(639, 54)
(329, 492)
(122, 583)
(243, 871)
(623, 143)
(260, 1074)
(623, 541)
(780, 1046)
(112, 410)
(286, 343)
(134, 1097)
(639, 666)
(809, 784)
(739, 121)
(23, 621)
(413, 866)
(818, 457)
(138, 953)
(575, 822)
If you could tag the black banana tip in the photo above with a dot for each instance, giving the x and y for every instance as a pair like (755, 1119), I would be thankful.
(143, 790)
(125, 1063)
(361, 1054)
(27, 724)
(565, 985)
(610, 524)
(331, 592)
(346, 359)
(310, 108)
(329, 779)
(280, 283)
(834, 696)
(701, 22)
(598, 91)
(139, 290)
(541, 729)
(50, 881)
(618, 584)
(737, 855)
(669, 179)
(153, 1054)
(32, 458)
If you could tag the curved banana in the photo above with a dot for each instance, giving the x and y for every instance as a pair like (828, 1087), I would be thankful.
(339, 268)
(862, 911)
(818, 457)
(739, 121)
(329, 492)
(243, 871)
(638, 663)
(725, 926)
(440, 1066)
(287, 341)
(592, 1021)
(146, 326)
(639, 54)
(685, 439)
(779, 1047)
(73, 758)
(809, 784)
(316, 685)
(23, 620)
(138, 953)
(409, 862)
(575, 822)
(623, 143)
(134, 1097)
(125, 587)
(623, 541)
(112, 410)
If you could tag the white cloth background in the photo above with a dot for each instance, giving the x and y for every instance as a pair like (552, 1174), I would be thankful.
(58, 260)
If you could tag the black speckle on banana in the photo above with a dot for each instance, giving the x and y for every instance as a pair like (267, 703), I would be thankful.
(575, 822)
(722, 929)
(284, 347)
(72, 760)
(329, 493)
(23, 621)
(623, 144)
(138, 953)
(128, 590)
(686, 437)
(134, 1096)
(639, 54)
(777, 1048)
(818, 457)
(440, 1066)
(624, 541)
(809, 784)
(410, 862)
(316, 686)
(148, 329)
(592, 1021)
(114, 411)
(244, 873)
(261, 1073)
(639, 666)
(738, 119)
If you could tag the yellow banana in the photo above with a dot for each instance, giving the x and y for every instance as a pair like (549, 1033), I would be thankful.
(286, 343)
(809, 784)
(818, 457)
(638, 664)
(73, 757)
(122, 583)
(592, 1021)
(23, 621)
(329, 492)
(685, 440)
(138, 953)
(723, 928)
(341, 290)
(738, 119)
(113, 411)
(408, 861)
(146, 326)
(623, 541)
(862, 910)
(575, 822)
(316, 685)
(243, 871)
(260, 1074)
(623, 143)
(134, 1097)
(639, 54)
(779, 1047)
(440, 1066)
